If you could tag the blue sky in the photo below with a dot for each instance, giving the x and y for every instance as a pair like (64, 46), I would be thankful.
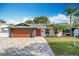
(20, 11)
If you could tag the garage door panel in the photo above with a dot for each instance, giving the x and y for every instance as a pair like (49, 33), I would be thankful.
(21, 35)
(21, 32)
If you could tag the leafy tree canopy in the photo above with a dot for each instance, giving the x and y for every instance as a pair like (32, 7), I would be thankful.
(41, 20)
(59, 26)
(29, 22)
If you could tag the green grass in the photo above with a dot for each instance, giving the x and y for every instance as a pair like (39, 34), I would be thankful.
(63, 46)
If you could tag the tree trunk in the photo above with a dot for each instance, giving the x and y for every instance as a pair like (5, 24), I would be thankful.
(70, 25)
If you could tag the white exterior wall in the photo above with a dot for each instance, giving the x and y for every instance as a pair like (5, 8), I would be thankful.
(51, 32)
(42, 32)
(4, 34)
(60, 33)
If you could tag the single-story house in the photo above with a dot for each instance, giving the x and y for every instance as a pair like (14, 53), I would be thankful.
(25, 30)
(22, 30)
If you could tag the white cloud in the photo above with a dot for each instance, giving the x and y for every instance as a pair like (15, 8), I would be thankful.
(59, 18)
(27, 18)
(12, 21)
(15, 21)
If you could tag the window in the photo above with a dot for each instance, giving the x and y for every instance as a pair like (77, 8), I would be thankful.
(47, 32)
(4, 29)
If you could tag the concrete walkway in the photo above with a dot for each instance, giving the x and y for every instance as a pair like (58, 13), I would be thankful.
(25, 47)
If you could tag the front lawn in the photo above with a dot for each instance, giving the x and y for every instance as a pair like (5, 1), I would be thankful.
(63, 46)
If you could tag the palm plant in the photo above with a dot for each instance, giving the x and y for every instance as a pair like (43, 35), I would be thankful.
(76, 20)
(76, 14)
(70, 11)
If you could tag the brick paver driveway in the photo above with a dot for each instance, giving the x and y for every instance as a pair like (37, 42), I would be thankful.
(24, 47)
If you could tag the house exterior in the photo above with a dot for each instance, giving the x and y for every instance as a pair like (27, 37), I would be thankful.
(25, 30)
(22, 30)
(39, 29)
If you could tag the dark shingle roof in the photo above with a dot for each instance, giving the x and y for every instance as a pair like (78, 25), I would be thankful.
(22, 24)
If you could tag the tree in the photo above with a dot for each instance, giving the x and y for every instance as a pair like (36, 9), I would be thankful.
(76, 14)
(70, 11)
(29, 22)
(59, 26)
(76, 20)
(41, 20)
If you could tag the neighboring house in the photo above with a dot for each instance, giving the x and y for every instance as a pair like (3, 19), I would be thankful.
(75, 27)
(4, 30)
(49, 32)
(67, 31)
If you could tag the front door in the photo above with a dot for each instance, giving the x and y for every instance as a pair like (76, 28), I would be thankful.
(38, 32)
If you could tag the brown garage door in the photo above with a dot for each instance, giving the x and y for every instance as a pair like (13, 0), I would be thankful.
(18, 32)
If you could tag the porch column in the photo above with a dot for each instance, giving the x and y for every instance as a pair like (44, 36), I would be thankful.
(43, 32)
(33, 32)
